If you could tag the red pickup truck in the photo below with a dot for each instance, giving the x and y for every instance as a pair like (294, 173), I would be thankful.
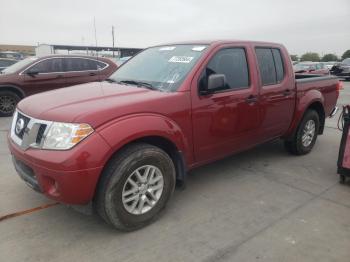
(123, 144)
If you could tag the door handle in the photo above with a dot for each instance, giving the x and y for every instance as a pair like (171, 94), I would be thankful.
(92, 74)
(251, 99)
(287, 92)
(59, 76)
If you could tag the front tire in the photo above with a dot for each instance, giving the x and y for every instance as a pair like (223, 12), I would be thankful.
(305, 137)
(135, 186)
(8, 103)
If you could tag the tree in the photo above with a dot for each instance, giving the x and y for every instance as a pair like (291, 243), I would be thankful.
(313, 57)
(329, 57)
(294, 57)
(346, 54)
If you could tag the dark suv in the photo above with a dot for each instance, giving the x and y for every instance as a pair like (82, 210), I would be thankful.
(342, 69)
(34, 75)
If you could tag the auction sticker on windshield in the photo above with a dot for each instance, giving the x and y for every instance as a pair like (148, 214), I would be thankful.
(181, 59)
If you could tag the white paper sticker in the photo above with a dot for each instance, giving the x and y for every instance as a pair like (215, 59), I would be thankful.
(198, 48)
(181, 59)
(167, 48)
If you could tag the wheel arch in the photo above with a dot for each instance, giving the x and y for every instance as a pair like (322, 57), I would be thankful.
(167, 146)
(152, 129)
(13, 88)
(304, 105)
(318, 107)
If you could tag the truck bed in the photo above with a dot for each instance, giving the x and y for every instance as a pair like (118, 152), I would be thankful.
(327, 85)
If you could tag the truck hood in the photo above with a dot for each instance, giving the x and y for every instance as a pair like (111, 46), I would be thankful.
(92, 103)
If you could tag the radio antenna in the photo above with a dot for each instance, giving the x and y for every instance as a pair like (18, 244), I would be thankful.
(95, 31)
(95, 36)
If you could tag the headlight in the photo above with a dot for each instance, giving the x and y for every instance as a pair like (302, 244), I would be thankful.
(63, 136)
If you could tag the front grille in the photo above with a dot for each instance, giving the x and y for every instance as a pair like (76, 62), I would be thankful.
(26, 120)
(28, 131)
(40, 135)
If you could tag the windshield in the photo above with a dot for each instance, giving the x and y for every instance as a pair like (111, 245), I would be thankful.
(19, 65)
(163, 67)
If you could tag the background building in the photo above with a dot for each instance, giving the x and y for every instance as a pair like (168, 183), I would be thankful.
(25, 50)
(119, 52)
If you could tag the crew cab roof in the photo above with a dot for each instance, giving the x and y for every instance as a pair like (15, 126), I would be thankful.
(221, 42)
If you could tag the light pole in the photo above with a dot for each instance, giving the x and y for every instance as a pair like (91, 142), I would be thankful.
(113, 39)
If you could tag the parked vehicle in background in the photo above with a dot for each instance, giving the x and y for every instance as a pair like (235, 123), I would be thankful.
(123, 143)
(317, 68)
(344, 150)
(11, 55)
(34, 75)
(6, 62)
(335, 69)
(329, 64)
(342, 69)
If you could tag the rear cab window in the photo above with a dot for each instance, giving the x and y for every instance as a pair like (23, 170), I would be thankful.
(271, 65)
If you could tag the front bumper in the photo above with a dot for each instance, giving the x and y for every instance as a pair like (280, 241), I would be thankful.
(66, 176)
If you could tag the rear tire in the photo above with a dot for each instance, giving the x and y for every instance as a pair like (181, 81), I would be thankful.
(8, 103)
(342, 179)
(121, 181)
(305, 137)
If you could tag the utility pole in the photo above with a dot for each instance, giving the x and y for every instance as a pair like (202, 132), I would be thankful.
(95, 37)
(113, 39)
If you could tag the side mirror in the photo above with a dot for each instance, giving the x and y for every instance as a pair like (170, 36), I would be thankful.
(32, 72)
(216, 81)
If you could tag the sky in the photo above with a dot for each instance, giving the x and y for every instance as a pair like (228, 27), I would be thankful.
(301, 25)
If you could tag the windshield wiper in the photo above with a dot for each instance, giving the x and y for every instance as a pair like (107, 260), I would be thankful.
(138, 83)
(110, 80)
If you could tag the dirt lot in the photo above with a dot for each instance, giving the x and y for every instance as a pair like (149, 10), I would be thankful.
(261, 205)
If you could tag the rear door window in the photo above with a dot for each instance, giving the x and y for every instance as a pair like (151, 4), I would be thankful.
(270, 65)
(80, 64)
(278, 64)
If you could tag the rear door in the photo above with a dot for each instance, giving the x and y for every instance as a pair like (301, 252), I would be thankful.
(225, 120)
(80, 70)
(277, 95)
(48, 75)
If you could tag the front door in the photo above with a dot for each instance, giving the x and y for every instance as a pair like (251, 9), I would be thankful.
(225, 120)
(44, 76)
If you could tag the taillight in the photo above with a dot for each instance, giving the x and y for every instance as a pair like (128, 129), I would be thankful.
(340, 86)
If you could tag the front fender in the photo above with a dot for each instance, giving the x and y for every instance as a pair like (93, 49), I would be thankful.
(130, 128)
(303, 102)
